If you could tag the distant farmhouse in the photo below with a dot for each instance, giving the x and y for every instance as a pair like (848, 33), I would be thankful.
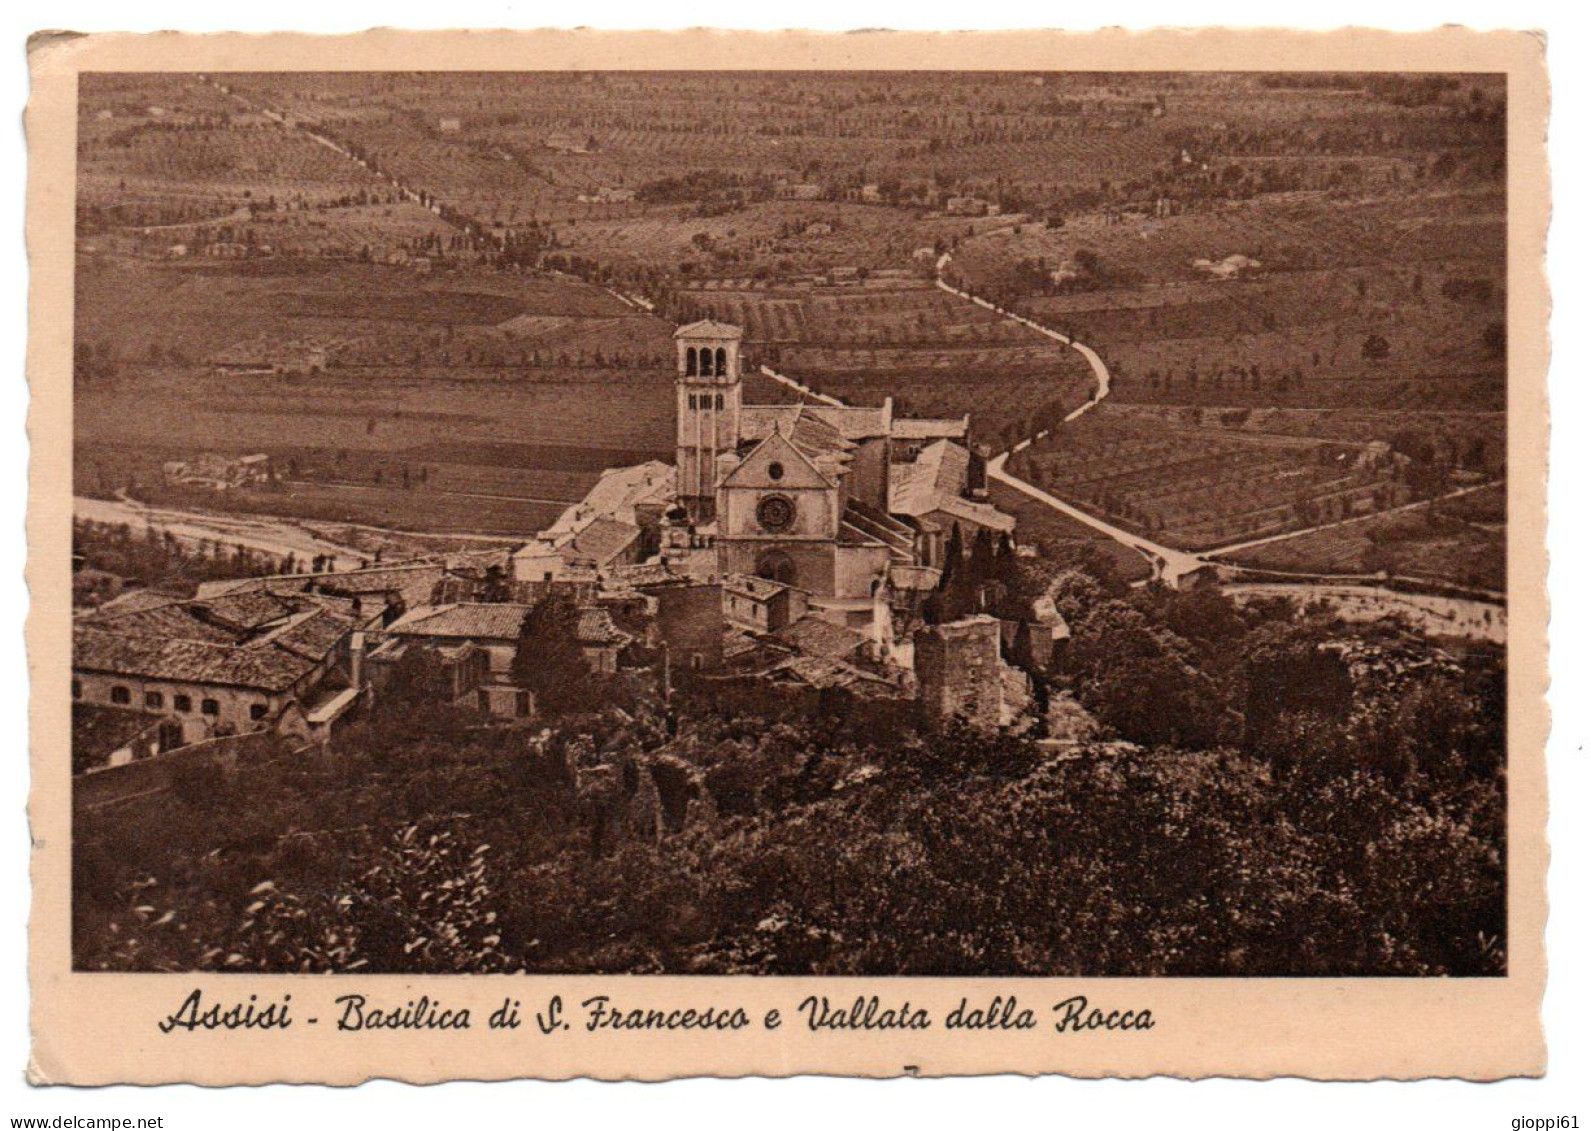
(970, 206)
(264, 357)
(218, 472)
(608, 194)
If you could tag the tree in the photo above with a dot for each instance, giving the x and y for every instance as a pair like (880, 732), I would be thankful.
(548, 661)
(495, 588)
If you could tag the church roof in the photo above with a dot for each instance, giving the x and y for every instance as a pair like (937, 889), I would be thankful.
(933, 483)
(708, 329)
(802, 425)
(915, 488)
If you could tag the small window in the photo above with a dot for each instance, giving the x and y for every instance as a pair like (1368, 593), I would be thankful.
(183, 703)
(120, 694)
(483, 701)
(776, 470)
(692, 399)
(718, 402)
(154, 700)
(697, 662)
(77, 689)
(210, 707)
(257, 711)
(522, 704)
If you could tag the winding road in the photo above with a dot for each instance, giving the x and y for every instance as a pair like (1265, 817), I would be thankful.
(1169, 564)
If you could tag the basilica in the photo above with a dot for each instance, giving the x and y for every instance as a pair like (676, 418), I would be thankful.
(850, 506)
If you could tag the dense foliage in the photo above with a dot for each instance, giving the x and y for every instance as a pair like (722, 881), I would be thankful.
(1298, 798)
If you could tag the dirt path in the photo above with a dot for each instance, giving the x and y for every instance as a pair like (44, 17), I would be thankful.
(358, 487)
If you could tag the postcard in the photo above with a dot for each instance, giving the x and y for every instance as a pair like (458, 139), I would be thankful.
(575, 554)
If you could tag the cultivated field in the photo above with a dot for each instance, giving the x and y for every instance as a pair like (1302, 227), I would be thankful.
(475, 401)
(1462, 542)
(1197, 489)
(1296, 283)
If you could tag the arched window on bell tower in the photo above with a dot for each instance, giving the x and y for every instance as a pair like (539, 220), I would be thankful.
(721, 366)
(690, 363)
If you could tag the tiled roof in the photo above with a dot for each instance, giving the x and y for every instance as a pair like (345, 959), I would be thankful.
(464, 621)
(905, 429)
(638, 575)
(933, 483)
(99, 731)
(941, 469)
(854, 422)
(412, 583)
(597, 627)
(824, 671)
(980, 514)
(603, 540)
(818, 637)
(757, 588)
(804, 425)
(173, 622)
(272, 662)
(615, 495)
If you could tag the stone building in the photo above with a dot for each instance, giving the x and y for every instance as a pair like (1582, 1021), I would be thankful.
(960, 674)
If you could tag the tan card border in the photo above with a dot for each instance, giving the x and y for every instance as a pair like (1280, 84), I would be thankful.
(101, 1028)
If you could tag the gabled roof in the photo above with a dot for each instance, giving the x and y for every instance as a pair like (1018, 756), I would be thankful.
(757, 588)
(270, 662)
(596, 627)
(412, 583)
(603, 540)
(799, 469)
(708, 329)
(99, 731)
(615, 495)
(933, 483)
(851, 422)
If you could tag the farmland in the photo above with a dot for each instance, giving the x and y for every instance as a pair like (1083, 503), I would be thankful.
(447, 402)
(1297, 285)
(1195, 489)
(1460, 541)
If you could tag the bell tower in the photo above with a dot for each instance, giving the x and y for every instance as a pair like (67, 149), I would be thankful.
(707, 410)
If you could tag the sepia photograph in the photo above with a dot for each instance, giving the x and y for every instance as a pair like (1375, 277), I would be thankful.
(984, 523)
